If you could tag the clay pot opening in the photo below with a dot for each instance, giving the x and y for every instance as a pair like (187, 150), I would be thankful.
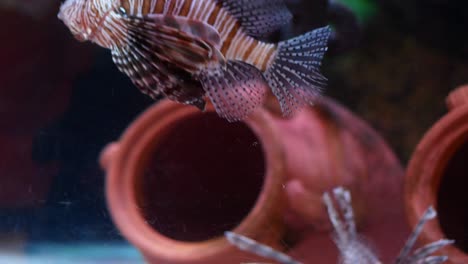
(452, 198)
(178, 178)
(435, 176)
(203, 177)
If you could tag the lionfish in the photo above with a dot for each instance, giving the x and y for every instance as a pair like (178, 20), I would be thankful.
(188, 50)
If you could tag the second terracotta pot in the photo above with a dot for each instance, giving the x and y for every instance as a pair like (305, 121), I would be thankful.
(437, 176)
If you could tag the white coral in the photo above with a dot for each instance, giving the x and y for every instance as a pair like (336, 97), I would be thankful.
(352, 248)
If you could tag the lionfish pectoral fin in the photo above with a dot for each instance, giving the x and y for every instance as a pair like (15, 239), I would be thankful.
(235, 89)
(294, 75)
(144, 70)
(258, 17)
(157, 78)
(186, 43)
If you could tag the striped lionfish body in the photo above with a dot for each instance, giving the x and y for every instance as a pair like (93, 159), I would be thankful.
(235, 43)
(191, 49)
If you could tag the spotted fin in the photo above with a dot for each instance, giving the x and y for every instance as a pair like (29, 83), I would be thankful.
(235, 89)
(258, 17)
(294, 75)
(188, 44)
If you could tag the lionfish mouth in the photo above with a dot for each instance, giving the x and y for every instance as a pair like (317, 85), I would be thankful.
(82, 20)
(71, 15)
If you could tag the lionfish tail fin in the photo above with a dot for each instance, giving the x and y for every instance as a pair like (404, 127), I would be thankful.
(294, 75)
(235, 89)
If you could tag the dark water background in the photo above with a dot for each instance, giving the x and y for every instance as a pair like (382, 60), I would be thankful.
(393, 65)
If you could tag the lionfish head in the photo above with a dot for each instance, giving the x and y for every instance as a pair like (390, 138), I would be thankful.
(83, 17)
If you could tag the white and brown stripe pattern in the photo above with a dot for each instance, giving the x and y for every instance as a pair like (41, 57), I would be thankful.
(236, 44)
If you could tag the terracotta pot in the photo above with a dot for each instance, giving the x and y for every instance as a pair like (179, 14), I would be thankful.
(437, 176)
(178, 178)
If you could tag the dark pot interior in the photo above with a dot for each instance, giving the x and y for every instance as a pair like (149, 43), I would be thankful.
(453, 198)
(203, 178)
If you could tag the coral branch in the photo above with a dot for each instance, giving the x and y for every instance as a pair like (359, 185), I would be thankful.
(352, 248)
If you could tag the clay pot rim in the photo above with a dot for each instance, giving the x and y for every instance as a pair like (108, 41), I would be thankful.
(426, 168)
(124, 160)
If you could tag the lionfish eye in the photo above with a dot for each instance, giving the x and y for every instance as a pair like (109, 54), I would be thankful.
(122, 10)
